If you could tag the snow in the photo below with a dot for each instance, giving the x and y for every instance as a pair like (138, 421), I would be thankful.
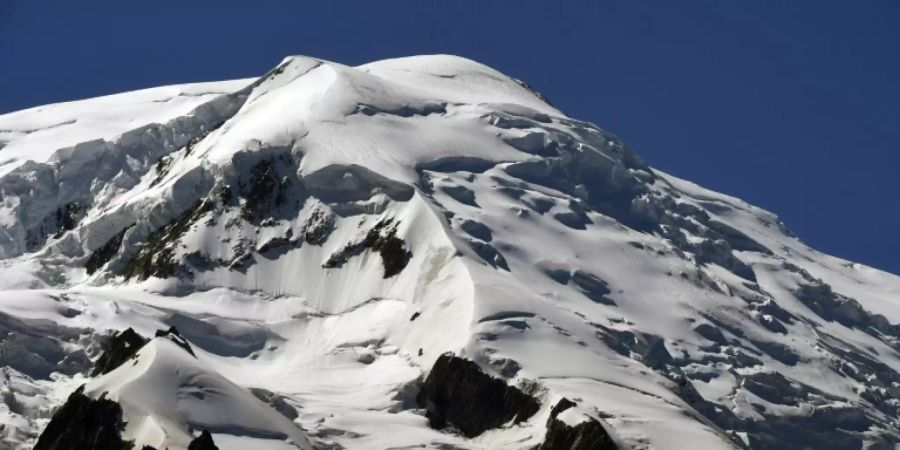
(517, 261)
(166, 388)
(458, 80)
(34, 134)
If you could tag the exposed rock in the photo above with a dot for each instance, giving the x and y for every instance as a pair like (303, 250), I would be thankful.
(711, 333)
(457, 393)
(773, 387)
(648, 348)
(105, 252)
(489, 254)
(203, 442)
(120, 347)
(394, 255)
(587, 435)
(84, 423)
(162, 169)
(318, 227)
(67, 216)
(403, 111)
(477, 230)
(266, 190)
(592, 287)
(189, 147)
(719, 251)
(156, 256)
(276, 401)
(173, 335)
(461, 194)
(383, 239)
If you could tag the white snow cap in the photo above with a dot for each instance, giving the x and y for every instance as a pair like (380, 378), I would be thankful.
(322, 234)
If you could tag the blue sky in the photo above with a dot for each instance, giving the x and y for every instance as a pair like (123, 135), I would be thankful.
(791, 105)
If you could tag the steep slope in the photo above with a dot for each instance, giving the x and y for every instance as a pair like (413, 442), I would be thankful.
(324, 234)
(36, 134)
(167, 390)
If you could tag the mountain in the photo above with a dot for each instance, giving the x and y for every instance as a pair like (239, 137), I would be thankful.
(415, 252)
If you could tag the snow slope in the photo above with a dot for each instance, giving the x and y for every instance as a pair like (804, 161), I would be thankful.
(325, 232)
(35, 134)
(167, 387)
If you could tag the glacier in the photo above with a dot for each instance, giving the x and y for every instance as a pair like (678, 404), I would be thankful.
(320, 236)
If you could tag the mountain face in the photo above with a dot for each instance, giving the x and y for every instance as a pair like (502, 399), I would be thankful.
(417, 252)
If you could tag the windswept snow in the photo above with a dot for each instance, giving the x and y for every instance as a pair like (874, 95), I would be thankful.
(321, 235)
(35, 134)
(166, 391)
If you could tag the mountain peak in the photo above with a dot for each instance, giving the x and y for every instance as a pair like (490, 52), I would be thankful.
(331, 240)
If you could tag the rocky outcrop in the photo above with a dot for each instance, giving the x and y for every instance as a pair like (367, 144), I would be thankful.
(156, 257)
(173, 335)
(120, 347)
(123, 346)
(458, 394)
(105, 252)
(203, 442)
(83, 423)
(382, 238)
(276, 401)
(267, 188)
(588, 434)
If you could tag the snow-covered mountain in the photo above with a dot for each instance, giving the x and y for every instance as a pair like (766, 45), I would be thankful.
(416, 252)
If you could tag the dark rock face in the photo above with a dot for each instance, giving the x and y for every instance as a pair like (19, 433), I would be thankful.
(67, 217)
(489, 254)
(105, 252)
(267, 189)
(394, 255)
(587, 435)
(458, 393)
(120, 347)
(156, 257)
(83, 423)
(276, 401)
(719, 251)
(64, 219)
(173, 335)
(382, 238)
(403, 111)
(592, 287)
(203, 442)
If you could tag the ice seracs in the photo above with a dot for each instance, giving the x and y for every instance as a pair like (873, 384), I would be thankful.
(322, 235)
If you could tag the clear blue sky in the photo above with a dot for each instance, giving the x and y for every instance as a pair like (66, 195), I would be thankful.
(791, 105)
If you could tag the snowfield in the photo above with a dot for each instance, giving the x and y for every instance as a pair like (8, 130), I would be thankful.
(320, 236)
